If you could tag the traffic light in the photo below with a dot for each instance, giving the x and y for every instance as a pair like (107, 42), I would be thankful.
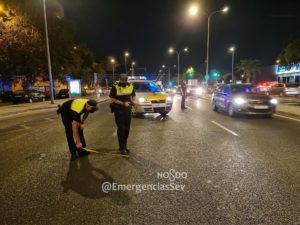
(190, 72)
(206, 77)
(216, 74)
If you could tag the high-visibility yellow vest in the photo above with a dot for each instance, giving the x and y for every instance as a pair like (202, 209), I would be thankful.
(127, 90)
(78, 104)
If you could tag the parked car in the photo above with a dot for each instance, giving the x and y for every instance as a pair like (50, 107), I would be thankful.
(63, 93)
(241, 99)
(285, 89)
(292, 89)
(28, 96)
(6, 96)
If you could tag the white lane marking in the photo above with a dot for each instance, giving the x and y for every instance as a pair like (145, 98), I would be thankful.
(25, 127)
(49, 119)
(114, 133)
(189, 107)
(225, 128)
(286, 117)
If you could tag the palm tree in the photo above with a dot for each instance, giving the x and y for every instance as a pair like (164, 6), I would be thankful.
(249, 68)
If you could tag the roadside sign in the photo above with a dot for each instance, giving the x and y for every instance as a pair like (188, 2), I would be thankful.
(75, 88)
(68, 78)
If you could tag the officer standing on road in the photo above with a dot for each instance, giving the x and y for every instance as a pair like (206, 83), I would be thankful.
(183, 90)
(122, 97)
(71, 112)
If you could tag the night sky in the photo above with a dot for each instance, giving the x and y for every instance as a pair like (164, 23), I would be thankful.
(147, 28)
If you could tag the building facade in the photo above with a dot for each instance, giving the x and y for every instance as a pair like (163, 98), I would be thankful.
(288, 74)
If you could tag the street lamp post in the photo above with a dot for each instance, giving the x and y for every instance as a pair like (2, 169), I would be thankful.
(208, 35)
(169, 71)
(132, 68)
(193, 11)
(171, 50)
(126, 55)
(232, 50)
(113, 69)
(48, 54)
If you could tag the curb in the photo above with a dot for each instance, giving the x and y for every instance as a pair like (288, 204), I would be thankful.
(34, 111)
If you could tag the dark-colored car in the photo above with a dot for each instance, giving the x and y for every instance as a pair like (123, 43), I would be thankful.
(241, 99)
(28, 96)
(6, 96)
(64, 93)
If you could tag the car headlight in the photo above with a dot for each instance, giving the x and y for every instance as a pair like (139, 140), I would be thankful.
(169, 99)
(239, 101)
(199, 91)
(188, 91)
(274, 101)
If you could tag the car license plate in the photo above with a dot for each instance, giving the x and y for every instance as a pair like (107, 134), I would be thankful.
(158, 105)
(261, 107)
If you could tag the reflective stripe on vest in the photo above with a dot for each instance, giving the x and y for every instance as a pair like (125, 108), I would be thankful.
(127, 90)
(78, 105)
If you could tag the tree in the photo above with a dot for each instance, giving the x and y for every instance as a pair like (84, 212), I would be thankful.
(290, 53)
(249, 68)
(22, 42)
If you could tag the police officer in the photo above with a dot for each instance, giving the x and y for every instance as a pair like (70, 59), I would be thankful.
(71, 112)
(122, 97)
(183, 90)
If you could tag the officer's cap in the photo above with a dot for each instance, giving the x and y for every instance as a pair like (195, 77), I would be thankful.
(93, 104)
(123, 77)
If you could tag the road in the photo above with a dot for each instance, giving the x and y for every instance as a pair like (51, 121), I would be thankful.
(239, 170)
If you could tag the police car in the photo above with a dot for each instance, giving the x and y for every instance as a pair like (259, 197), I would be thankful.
(150, 98)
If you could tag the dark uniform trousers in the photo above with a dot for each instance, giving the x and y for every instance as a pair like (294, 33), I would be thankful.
(70, 137)
(123, 120)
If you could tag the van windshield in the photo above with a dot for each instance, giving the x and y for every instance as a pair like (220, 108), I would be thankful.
(146, 87)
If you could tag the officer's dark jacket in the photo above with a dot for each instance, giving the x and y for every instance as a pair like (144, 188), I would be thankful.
(73, 109)
(122, 92)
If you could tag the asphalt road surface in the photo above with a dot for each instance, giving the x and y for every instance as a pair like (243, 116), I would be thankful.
(227, 170)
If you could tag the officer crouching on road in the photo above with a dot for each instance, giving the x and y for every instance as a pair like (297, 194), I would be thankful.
(122, 97)
(71, 112)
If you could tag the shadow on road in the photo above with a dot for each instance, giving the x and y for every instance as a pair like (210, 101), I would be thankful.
(86, 180)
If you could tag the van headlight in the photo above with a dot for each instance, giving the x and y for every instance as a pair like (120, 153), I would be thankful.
(199, 91)
(142, 100)
(274, 101)
(169, 99)
(239, 101)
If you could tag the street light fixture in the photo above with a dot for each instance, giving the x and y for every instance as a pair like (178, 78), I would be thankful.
(48, 53)
(232, 50)
(171, 51)
(193, 10)
(126, 54)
